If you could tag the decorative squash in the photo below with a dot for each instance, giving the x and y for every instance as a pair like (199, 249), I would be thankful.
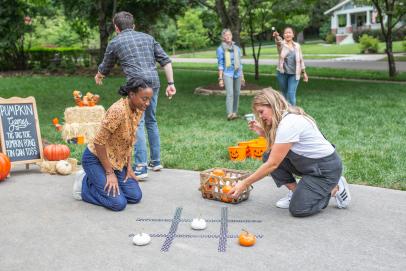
(63, 167)
(225, 197)
(5, 166)
(56, 152)
(198, 224)
(216, 172)
(246, 239)
(141, 239)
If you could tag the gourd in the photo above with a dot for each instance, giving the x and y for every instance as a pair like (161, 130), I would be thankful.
(198, 224)
(224, 196)
(63, 167)
(141, 239)
(246, 239)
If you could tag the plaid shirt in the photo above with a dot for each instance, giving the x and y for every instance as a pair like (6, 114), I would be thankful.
(138, 53)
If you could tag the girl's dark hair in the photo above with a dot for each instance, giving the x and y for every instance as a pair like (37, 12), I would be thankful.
(133, 85)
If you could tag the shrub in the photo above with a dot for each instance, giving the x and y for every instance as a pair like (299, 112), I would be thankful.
(404, 45)
(368, 44)
(397, 35)
(330, 38)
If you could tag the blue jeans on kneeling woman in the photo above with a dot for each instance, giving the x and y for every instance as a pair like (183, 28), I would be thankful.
(95, 181)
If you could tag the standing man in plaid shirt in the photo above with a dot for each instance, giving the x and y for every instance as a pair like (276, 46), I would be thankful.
(138, 53)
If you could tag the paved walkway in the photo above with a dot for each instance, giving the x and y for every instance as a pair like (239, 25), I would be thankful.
(355, 62)
(43, 228)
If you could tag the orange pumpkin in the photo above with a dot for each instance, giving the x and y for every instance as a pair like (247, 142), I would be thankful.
(5, 166)
(225, 197)
(56, 152)
(246, 239)
(216, 172)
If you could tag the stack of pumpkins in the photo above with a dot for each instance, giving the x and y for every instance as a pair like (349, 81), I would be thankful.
(57, 160)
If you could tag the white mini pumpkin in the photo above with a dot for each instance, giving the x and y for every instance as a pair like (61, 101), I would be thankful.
(63, 167)
(141, 239)
(198, 224)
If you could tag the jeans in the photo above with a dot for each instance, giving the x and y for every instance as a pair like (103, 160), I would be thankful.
(288, 85)
(95, 180)
(233, 86)
(149, 121)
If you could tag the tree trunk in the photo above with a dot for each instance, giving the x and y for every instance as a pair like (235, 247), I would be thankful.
(256, 61)
(300, 37)
(102, 7)
(389, 50)
(230, 18)
(244, 53)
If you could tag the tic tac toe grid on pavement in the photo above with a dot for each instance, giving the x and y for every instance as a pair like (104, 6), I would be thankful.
(43, 228)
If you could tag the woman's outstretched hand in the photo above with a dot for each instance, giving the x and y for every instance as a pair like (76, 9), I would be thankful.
(254, 125)
(237, 190)
(275, 34)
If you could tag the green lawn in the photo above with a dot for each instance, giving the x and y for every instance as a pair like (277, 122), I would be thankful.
(309, 49)
(366, 121)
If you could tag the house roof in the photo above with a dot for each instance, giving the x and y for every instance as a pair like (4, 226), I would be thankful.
(339, 5)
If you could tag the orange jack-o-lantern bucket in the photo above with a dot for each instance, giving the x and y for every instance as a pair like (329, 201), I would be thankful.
(247, 144)
(261, 141)
(237, 153)
(257, 151)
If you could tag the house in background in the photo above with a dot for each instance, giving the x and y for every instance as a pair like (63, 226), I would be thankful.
(346, 17)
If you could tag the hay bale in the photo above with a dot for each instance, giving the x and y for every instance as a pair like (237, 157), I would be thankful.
(84, 114)
(50, 166)
(82, 121)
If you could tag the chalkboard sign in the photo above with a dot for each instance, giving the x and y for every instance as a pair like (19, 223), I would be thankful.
(19, 130)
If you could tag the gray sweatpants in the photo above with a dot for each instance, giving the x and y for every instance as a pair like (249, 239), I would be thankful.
(319, 177)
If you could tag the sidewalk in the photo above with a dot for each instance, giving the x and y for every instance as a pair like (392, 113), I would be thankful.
(43, 228)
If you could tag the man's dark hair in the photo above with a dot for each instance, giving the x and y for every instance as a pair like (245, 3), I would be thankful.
(123, 20)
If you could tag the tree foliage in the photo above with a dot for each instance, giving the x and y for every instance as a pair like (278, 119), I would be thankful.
(15, 21)
(191, 32)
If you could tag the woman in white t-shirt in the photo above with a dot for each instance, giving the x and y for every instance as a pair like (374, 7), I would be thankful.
(298, 148)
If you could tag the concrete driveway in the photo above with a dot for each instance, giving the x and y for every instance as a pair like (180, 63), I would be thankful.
(44, 228)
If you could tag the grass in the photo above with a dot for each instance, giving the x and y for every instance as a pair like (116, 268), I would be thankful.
(365, 120)
(311, 71)
(307, 49)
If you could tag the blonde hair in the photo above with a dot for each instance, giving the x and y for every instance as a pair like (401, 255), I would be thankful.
(278, 104)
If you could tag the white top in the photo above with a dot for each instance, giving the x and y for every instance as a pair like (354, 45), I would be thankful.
(303, 133)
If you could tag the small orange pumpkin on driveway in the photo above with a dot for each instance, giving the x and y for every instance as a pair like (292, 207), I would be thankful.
(246, 239)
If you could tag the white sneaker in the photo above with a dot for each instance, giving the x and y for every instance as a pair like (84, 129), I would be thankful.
(343, 197)
(77, 185)
(284, 202)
